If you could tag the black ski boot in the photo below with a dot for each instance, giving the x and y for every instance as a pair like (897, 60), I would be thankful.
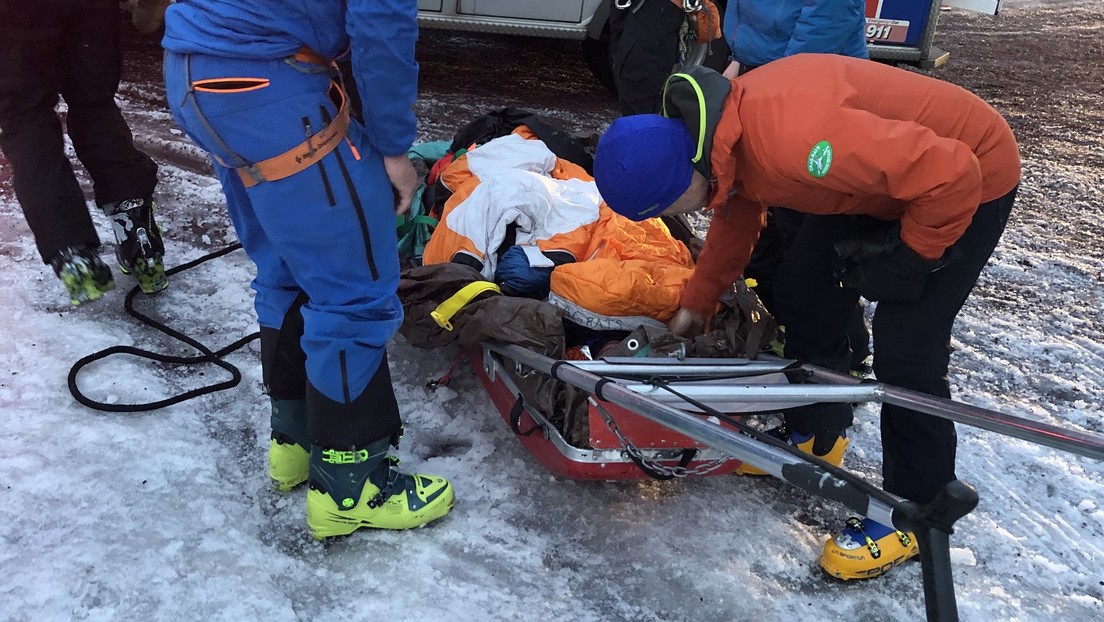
(83, 273)
(140, 250)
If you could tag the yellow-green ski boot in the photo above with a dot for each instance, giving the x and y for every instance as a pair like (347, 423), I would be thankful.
(351, 489)
(288, 456)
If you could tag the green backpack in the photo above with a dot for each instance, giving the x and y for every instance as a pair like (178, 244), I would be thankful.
(416, 226)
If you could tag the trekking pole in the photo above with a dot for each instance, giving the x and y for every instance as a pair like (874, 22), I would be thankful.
(1073, 441)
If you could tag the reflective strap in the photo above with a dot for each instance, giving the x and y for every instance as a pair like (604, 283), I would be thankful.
(444, 311)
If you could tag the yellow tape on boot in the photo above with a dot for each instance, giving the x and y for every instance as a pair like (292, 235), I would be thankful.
(444, 311)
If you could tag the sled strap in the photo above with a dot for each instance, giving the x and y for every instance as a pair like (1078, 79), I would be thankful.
(515, 418)
(444, 311)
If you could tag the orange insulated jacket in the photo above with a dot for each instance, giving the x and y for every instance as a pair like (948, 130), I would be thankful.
(824, 134)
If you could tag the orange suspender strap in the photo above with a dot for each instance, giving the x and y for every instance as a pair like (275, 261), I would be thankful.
(302, 156)
(307, 55)
(306, 154)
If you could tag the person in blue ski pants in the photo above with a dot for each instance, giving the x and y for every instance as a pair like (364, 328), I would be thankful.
(313, 205)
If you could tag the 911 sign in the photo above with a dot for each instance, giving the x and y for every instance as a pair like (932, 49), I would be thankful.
(897, 22)
(886, 30)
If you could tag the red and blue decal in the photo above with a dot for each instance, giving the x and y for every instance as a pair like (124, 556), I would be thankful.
(897, 22)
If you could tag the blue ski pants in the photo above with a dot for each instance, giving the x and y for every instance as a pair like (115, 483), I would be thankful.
(327, 230)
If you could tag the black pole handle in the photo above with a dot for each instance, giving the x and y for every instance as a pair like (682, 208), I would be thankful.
(932, 524)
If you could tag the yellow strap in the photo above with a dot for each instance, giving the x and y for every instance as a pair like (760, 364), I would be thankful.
(444, 311)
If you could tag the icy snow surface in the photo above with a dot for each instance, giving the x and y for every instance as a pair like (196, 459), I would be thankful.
(169, 515)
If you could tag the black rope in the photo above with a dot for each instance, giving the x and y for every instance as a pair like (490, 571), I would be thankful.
(208, 356)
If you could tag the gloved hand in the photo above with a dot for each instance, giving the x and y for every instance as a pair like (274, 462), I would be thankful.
(884, 268)
(686, 323)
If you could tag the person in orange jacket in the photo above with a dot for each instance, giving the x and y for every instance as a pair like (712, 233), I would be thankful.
(907, 183)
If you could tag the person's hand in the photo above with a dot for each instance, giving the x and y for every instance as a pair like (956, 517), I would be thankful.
(883, 268)
(403, 179)
(686, 323)
(148, 15)
(732, 70)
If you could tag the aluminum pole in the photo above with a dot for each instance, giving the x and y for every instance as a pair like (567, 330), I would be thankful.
(1073, 441)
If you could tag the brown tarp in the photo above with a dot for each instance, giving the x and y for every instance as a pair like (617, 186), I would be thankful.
(741, 329)
(529, 323)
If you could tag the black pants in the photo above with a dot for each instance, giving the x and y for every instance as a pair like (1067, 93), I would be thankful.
(911, 340)
(644, 45)
(71, 48)
(774, 242)
(371, 416)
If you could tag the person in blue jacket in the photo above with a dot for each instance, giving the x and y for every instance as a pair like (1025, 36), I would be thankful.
(312, 188)
(759, 32)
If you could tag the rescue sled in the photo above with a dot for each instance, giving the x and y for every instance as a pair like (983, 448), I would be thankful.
(666, 407)
(621, 444)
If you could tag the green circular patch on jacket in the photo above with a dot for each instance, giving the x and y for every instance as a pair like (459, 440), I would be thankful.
(820, 159)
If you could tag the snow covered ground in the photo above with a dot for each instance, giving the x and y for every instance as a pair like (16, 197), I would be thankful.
(168, 515)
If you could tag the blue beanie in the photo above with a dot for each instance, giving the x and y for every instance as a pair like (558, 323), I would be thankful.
(643, 164)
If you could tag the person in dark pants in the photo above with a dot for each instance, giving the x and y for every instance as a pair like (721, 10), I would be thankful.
(71, 48)
(760, 32)
(913, 336)
(644, 38)
(905, 199)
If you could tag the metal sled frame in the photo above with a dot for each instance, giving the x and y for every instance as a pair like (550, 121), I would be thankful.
(607, 458)
(623, 382)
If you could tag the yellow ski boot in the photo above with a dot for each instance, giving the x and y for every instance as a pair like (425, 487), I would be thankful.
(808, 443)
(288, 456)
(362, 488)
(865, 549)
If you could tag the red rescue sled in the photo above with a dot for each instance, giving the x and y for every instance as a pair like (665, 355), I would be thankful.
(623, 444)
